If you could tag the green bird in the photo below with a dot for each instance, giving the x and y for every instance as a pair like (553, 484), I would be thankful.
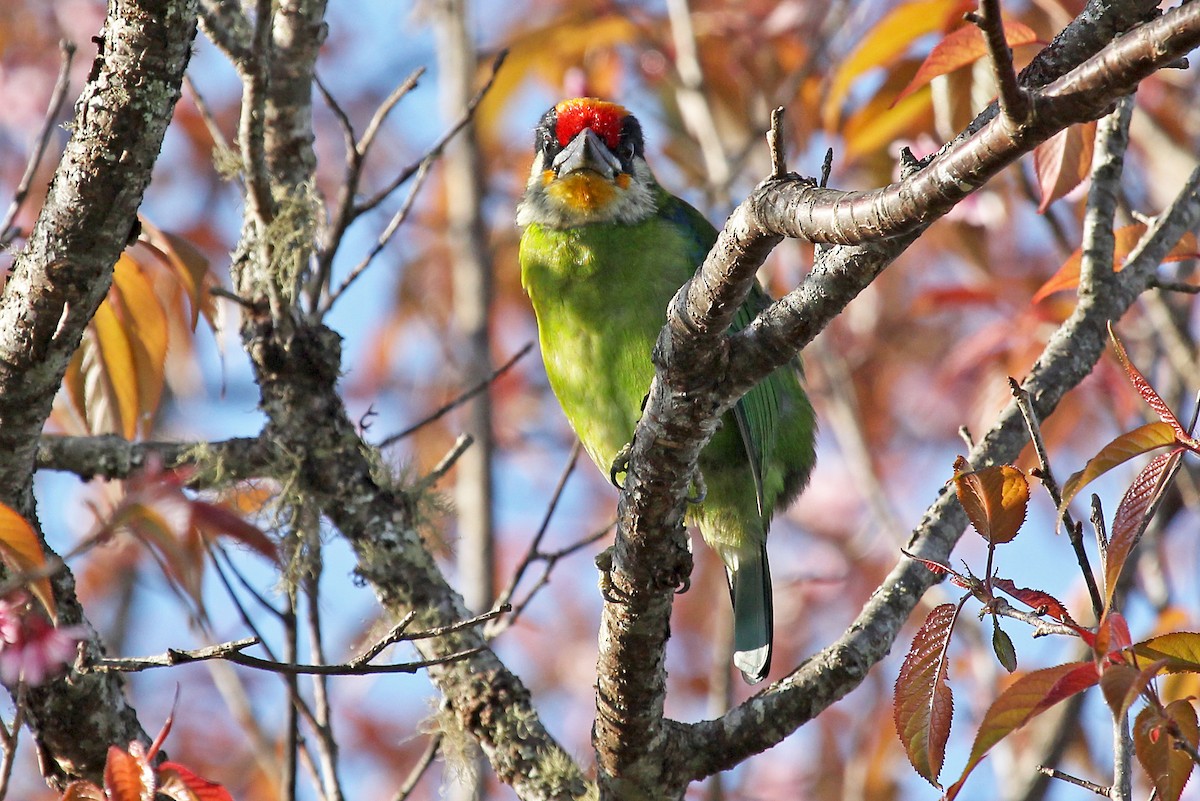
(604, 249)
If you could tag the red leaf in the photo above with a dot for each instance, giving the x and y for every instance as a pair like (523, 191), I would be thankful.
(1023, 700)
(924, 703)
(1167, 766)
(1152, 398)
(218, 520)
(179, 783)
(1129, 521)
(128, 775)
(960, 48)
(1112, 636)
(1063, 161)
(995, 499)
(1126, 446)
(1042, 602)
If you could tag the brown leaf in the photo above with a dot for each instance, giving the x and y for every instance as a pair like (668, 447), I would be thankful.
(1063, 161)
(1148, 393)
(889, 39)
(924, 704)
(995, 499)
(1154, 737)
(177, 782)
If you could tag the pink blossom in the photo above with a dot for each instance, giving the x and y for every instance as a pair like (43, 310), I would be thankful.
(31, 647)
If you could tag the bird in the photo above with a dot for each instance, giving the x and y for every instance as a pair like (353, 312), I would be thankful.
(603, 250)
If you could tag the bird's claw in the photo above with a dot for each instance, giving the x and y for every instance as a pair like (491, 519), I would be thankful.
(699, 489)
(620, 465)
(604, 563)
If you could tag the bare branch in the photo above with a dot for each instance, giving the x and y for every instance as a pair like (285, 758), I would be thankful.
(461, 399)
(57, 97)
(1014, 100)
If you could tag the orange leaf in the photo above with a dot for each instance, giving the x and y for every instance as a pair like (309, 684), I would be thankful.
(145, 322)
(1023, 700)
(128, 775)
(1130, 520)
(178, 782)
(1125, 239)
(887, 40)
(113, 371)
(1125, 447)
(960, 48)
(880, 121)
(189, 265)
(1063, 161)
(924, 703)
(21, 550)
(83, 791)
(995, 499)
(1167, 766)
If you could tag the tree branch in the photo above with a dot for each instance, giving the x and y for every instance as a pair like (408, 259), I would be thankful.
(702, 372)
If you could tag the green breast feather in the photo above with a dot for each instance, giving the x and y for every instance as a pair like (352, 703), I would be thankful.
(600, 294)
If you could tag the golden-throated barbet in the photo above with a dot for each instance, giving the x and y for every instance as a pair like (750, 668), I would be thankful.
(604, 249)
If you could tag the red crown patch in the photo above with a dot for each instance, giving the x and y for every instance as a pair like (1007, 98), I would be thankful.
(587, 112)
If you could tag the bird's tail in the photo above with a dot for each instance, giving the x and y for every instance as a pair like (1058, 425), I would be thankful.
(750, 587)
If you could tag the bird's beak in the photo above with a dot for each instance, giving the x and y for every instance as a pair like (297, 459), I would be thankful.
(587, 152)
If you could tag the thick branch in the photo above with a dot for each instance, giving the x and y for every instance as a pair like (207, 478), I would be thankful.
(222, 462)
(1068, 358)
(703, 372)
(57, 283)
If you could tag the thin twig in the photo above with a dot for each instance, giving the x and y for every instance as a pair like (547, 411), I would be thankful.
(549, 561)
(534, 550)
(10, 739)
(206, 116)
(1175, 286)
(392, 636)
(356, 154)
(1014, 100)
(443, 466)
(57, 97)
(1074, 531)
(1069, 779)
(1041, 626)
(419, 769)
(381, 242)
(461, 399)
(775, 144)
(439, 145)
(232, 652)
(826, 168)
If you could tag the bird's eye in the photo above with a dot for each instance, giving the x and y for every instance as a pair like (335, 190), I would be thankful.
(628, 149)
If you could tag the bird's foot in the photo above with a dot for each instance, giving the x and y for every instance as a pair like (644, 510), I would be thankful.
(604, 563)
(620, 465)
(699, 488)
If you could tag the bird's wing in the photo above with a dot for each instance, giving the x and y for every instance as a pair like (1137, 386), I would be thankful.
(757, 412)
